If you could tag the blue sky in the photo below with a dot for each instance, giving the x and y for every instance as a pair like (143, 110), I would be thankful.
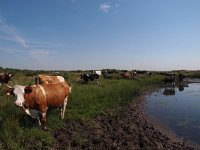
(100, 34)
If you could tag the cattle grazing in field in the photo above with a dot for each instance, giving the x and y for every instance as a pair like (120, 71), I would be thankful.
(97, 72)
(125, 75)
(5, 77)
(45, 79)
(89, 77)
(170, 79)
(134, 75)
(149, 73)
(37, 99)
(106, 75)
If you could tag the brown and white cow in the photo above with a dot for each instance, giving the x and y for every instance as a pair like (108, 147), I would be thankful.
(5, 77)
(37, 99)
(45, 79)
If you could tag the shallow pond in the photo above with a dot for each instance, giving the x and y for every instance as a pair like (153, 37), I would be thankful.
(178, 108)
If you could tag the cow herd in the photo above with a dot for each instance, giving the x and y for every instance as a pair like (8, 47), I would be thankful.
(53, 91)
(46, 92)
(111, 74)
(171, 80)
(35, 100)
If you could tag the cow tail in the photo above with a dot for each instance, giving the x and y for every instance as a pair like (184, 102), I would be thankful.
(36, 80)
(70, 89)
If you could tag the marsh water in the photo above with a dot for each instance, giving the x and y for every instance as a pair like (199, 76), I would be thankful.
(178, 108)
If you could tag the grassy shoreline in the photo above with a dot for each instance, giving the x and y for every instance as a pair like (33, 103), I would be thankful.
(19, 131)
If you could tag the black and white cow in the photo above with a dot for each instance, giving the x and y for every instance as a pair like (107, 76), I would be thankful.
(5, 77)
(89, 77)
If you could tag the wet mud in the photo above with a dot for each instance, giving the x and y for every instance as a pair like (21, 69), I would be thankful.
(127, 129)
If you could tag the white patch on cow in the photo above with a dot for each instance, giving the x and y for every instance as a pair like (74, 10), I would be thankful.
(42, 90)
(97, 72)
(10, 75)
(27, 111)
(19, 92)
(61, 79)
(43, 114)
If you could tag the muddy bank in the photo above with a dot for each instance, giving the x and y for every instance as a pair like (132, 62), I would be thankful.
(130, 128)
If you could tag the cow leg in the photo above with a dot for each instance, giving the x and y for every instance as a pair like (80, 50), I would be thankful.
(34, 114)
(61, 111)
(98, 82)
(44, 120)
(64, 108)
(38, 121)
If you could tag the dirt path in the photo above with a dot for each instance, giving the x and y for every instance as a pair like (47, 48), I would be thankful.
(128, 129)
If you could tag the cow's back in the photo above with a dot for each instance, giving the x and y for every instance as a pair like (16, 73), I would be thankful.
(45, 79)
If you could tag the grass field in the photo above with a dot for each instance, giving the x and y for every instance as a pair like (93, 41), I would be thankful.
(19, 131)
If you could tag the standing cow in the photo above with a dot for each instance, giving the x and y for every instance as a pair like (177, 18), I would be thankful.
(5, 77)
(37, 99)
(45, 79)
(86, 77)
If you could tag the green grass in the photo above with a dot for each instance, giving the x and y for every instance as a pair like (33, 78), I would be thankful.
(85, 102)
(195, 74)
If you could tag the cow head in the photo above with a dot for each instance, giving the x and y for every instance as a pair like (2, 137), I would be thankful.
(10, 75)
(18, 91)
(7, 77)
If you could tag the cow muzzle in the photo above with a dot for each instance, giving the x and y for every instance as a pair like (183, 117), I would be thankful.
(19, 104)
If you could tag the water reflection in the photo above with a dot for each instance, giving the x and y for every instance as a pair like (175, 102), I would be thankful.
(177, 107)
(182, 85)
(170, 89)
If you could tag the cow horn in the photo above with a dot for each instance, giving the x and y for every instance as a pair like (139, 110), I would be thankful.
(8, 86)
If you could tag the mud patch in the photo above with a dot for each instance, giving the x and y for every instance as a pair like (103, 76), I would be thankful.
(128, 129)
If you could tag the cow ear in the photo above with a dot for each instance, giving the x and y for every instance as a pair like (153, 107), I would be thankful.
(9, 91)
(28, 89)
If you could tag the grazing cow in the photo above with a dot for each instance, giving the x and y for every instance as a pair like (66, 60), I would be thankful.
(125, 75)
(134, 75)
(86, 77)
(149, 73)
(97, 72)
(37, 99)
(5, 77)
(106, 75)
(170, 79)
(44, 79)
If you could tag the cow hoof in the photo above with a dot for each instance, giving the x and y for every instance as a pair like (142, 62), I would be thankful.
(45, 129)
